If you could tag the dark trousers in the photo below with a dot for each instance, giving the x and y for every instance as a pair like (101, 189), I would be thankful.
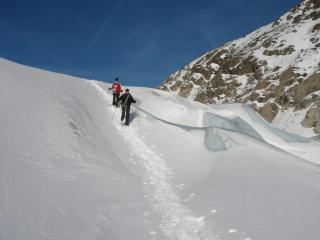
(125, 114)
(115, 98)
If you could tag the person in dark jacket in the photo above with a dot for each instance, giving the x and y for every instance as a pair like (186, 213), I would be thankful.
(126, 100)
(116, 89)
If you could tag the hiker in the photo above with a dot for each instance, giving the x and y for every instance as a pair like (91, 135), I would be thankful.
(126, 100)
(116, 89)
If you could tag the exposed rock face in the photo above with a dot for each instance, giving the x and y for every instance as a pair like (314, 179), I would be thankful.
(312, 119)
(273, 69)
(269, 111)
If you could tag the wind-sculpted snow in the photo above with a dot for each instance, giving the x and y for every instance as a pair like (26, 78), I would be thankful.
(212, 122)
(234, 124)
(177, 222)
(288, 137)
(181, 170)
(225, 117)
(214, 139)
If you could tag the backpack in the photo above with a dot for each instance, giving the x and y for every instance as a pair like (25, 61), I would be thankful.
(116, 88)
(124, 103)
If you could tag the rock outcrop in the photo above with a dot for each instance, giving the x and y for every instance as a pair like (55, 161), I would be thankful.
(275, 68)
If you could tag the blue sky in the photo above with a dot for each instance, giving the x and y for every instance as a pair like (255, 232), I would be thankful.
(141, 42)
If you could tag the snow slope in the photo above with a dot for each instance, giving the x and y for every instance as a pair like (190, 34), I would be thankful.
(182, 170)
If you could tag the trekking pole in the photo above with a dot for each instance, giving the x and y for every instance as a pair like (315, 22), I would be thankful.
(138, 118)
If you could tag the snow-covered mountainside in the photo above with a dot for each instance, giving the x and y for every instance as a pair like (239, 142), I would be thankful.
(181, 170)
(275, 69)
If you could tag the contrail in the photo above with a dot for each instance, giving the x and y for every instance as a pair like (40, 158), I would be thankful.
(106, 24)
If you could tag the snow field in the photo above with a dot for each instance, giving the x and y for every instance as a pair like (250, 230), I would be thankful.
(70, 170)
(177, 222)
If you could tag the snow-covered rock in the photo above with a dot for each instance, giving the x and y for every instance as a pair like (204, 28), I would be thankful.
(275, 68)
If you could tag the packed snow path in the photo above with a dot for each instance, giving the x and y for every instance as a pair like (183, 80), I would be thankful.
(177, 222)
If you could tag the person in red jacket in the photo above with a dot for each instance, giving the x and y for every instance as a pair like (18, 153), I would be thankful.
(116, 89)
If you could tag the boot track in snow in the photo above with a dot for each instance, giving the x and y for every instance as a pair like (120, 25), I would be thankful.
(177, 222)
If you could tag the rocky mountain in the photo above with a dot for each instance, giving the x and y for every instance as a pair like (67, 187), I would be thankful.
(275, 69)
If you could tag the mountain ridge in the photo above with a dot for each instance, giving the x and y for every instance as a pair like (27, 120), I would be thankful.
(274, 69)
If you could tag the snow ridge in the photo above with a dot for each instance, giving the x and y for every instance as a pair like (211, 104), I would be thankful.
(177, 222)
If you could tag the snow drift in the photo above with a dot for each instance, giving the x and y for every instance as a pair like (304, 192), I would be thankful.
(182, 170)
